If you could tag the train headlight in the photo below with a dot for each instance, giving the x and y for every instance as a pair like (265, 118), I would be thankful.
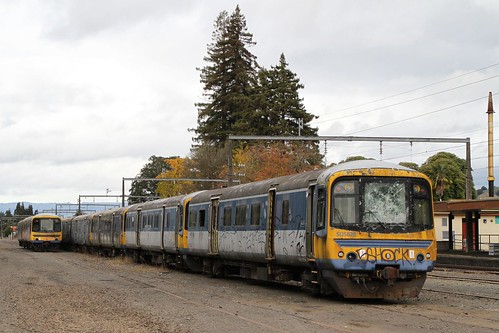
(420, 257)
(352, 256)
(341, 254)
(428, 256)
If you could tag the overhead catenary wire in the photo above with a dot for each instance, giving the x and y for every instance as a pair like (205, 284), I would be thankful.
(422, 115)
(413, 90)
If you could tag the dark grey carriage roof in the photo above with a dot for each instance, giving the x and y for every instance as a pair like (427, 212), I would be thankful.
(296, 181)
(148, 205)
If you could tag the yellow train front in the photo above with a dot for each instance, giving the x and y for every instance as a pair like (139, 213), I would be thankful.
(374, 236)
(40, 232)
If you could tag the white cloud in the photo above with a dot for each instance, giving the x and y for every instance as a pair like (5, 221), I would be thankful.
(90, 89)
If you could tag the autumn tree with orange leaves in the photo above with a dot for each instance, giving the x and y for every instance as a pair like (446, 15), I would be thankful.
(274, 159)
(173, 188)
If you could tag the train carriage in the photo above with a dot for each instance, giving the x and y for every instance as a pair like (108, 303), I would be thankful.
(40, 232)
(374, 234)
(157, 229)
(109, 229)
(132, 227)
(80, 231)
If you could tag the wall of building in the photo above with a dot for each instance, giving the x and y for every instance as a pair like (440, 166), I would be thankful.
(488, 229)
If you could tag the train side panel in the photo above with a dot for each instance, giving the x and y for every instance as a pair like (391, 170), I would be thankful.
(150, 230)
(290, 220)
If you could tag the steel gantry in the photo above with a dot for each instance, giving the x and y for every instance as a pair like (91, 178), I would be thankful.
(379, 139)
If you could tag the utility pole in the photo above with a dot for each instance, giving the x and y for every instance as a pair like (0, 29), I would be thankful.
(490, 112)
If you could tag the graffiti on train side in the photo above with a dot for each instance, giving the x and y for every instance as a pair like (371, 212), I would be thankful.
(397, 255)
(292, 242)
(249, 241)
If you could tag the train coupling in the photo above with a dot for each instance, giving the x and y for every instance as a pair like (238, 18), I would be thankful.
(389, 274)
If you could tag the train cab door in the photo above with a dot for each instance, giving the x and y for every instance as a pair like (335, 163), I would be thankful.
(309, 229)
(270, 230)
(319, 222)
(213, 229)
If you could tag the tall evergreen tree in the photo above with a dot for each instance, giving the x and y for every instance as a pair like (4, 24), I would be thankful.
(280, 105)
(229, 80)
(22, 210)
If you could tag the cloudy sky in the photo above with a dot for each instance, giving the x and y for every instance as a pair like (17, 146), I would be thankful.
(89, 89)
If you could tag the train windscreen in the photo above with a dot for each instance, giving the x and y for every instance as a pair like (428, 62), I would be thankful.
(46, 225)
(378, 204)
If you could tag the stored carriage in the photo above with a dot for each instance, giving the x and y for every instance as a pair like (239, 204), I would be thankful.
(151, 230)
(40, 232)
(361, 229)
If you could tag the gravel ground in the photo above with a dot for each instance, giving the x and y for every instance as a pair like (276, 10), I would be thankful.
(74, 292)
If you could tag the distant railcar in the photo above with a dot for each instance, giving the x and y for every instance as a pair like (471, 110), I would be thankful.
(361, 229)
(40, 232)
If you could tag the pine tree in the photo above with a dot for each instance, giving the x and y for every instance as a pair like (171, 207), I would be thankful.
(229, 81)
(280, 106)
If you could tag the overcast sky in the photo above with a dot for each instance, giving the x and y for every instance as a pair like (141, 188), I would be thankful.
(90, 89)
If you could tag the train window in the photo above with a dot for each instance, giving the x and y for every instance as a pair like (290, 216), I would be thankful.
(202, 216)
(255, 214)
(321, 209)
(421, 205)
(156, 222)
(241, 215)
(166, 221)
(150, 222)
(227, 216)
(36, 225)
(345, 203)
(170, 220)
(193, 215)
(130, 222)
(47, 225)
(385, 202)
(57, 225)
(285, 212)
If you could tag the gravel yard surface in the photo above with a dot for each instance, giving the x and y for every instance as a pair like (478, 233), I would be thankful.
(75, 292)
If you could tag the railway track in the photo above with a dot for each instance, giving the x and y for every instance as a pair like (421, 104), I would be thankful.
(470, 279)
(465, 279)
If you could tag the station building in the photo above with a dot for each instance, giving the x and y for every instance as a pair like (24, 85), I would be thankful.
(467, 225)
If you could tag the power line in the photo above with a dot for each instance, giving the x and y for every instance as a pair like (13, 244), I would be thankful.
(421, 115)
(407, 101)
(412, 90)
